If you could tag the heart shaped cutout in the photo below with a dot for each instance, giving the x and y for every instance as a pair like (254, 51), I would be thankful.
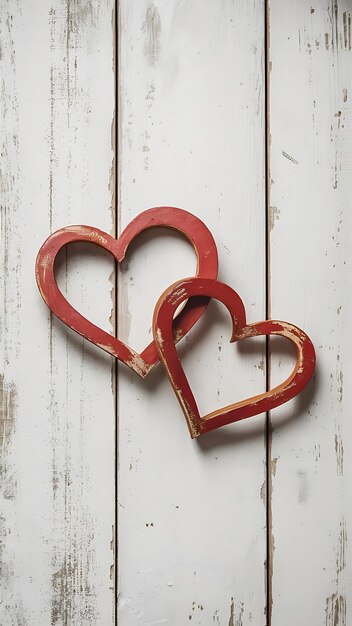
(170, 217)
(261, 403)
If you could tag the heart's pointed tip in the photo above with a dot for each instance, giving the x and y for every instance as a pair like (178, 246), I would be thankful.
(136, 363)
(143, 372)
(193, 429)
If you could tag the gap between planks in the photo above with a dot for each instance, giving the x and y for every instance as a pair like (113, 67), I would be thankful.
(268, 424)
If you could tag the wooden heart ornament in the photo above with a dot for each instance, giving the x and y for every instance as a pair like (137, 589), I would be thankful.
(162, 329)
(170, 217)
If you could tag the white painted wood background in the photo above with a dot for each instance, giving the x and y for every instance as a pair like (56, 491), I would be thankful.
(240, 113)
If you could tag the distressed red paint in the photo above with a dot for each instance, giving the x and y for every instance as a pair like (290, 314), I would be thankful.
(170, 217)
(162, 329)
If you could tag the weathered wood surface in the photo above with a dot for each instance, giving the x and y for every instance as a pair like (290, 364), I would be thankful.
(56, 397)
(192, 540)
(191, 515)
(311, 284)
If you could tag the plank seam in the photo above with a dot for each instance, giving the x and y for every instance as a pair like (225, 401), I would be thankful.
(117, 222)
(268, 426)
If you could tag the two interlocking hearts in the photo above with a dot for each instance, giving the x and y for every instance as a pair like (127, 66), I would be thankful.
(169, 328)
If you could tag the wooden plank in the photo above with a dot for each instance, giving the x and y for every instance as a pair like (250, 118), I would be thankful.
(56, 400)
(191, 531)
(311, 255)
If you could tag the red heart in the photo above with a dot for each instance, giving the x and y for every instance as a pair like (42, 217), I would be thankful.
(162, 329)
(178, 219)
